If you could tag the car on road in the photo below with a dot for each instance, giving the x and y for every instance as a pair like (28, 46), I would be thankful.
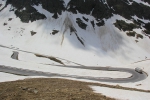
(139, 70)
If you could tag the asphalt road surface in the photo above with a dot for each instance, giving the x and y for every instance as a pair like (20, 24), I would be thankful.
(26, 72)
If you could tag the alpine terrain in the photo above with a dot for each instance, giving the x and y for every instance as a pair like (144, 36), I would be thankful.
(91, 32)
(88, 40)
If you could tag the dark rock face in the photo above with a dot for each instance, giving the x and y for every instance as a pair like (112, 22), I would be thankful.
(101, 23)
(53, 6)
(147, 32)
(30, 13)
(80, 23)
(33, 33)
(55, 16)
(93, 24)
(55, 32)
(122, 25)
(146, 1)
(131, 34)
(122, 8)
(96, 7)
(86, 19)
(147, 26)
(139, 36)
(99, 9)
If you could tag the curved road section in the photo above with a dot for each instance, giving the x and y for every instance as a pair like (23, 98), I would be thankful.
(26, 72)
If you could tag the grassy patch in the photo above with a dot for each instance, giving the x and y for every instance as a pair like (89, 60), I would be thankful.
(53, 89)
(139, 36)
(122, 25)
(51, 58)
(131, 34)
(48, 89)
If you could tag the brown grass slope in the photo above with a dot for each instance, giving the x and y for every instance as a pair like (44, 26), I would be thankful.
(48, 89)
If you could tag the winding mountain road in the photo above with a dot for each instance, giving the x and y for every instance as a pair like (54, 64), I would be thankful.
(26, 72)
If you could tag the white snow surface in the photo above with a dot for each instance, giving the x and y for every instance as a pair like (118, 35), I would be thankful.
(121, 94)
(30, 61)
(103, 46)
(5, 77)
(142, 2)
(3, 3)
(144, 20)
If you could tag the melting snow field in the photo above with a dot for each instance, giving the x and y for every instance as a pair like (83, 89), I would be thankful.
(10, 77)
(103, 46)
(121, 94)
(29, 61)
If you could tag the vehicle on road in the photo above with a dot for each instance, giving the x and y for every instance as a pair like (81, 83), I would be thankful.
(139, 70)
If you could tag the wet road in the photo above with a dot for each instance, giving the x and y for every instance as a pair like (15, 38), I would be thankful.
(26, 72)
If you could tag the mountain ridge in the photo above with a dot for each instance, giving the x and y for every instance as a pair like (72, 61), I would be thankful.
(102, 28)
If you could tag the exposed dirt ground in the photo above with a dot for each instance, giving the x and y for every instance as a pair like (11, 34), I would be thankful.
(48, 89)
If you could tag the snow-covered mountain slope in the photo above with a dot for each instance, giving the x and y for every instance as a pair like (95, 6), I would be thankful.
(89, 32)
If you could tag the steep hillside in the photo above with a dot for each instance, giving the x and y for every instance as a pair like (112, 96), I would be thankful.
(89, 32)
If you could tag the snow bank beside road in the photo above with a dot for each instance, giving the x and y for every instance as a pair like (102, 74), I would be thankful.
(5, 77)
(29, 63)
(10, 77)
(121, 94)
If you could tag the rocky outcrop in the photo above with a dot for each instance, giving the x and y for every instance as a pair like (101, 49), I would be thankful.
(147, 1)
(80, 23)
(94, 7)
(123, 8)
(26, 12)
(99, 9)
(122, 25)
(147, 26)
